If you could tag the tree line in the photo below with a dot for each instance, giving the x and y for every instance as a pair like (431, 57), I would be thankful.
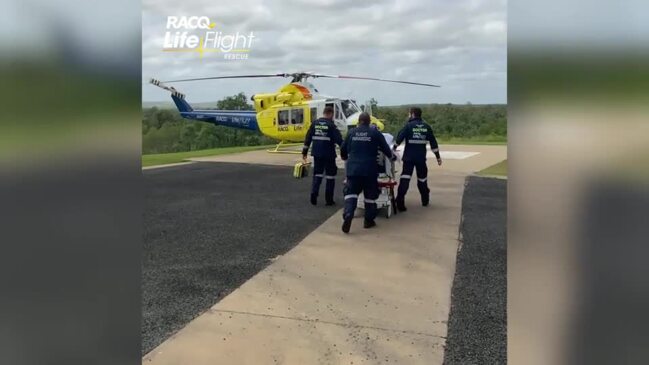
(480, 122)
(164, 130)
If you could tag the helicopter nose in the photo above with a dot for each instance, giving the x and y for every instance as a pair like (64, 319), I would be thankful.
(352, 119)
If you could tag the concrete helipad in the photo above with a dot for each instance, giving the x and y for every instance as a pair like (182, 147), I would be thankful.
(373, 296)
(461, 158)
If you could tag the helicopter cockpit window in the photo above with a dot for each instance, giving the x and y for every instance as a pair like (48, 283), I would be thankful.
(297, 116)
(282, 117)
(349, 107)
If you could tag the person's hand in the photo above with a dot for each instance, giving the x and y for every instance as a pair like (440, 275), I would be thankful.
(394, 147)
(439, 161)
(304, 158)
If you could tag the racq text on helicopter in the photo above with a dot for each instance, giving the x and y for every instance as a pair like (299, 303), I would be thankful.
(284, 115)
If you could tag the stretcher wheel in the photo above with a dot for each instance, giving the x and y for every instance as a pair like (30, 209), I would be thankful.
(388, 211)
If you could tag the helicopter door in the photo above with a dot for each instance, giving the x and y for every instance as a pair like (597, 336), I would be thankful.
(290, 124)
(339, 117)
(283, 120)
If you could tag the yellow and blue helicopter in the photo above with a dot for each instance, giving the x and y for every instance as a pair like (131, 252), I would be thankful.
(284, 115)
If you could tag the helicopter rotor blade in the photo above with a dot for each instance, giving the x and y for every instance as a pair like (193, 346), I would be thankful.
(230, 77)
(303, 75)
(372, 79)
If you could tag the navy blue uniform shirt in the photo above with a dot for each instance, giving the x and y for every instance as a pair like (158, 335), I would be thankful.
(324, 135)
(360, 149)
(417, 135)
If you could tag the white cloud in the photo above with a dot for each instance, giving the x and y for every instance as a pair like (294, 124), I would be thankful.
(459, 44)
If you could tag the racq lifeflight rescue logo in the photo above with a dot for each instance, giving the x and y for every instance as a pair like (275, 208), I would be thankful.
(198, 34)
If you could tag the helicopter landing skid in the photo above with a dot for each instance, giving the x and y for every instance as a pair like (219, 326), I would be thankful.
(286, 148)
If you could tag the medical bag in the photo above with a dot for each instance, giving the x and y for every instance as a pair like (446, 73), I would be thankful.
(301, 170)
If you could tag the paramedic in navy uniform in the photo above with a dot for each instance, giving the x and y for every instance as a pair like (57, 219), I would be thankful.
(324, 135)
(417, 135)
(359, 151)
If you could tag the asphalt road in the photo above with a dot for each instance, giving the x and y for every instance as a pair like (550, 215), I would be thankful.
(477, 326)
(209, 227)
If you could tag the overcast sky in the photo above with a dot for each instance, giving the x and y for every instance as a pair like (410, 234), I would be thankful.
(459, 44)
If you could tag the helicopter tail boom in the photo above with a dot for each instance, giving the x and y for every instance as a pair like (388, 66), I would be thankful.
(241, 119)
(229, 118)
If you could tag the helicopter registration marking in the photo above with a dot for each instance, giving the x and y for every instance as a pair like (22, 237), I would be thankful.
(286, 128)
(233, 119)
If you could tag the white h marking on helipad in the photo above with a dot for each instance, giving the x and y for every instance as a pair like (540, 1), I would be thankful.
(446, 155)
(455, 155)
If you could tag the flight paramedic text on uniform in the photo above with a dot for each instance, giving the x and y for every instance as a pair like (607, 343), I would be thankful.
(417, 135)
(359, 151)
(324, 135)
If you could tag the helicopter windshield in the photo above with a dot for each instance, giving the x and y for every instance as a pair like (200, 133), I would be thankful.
(349, 108)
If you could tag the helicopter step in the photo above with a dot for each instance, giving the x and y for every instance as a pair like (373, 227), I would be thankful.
(287, 147)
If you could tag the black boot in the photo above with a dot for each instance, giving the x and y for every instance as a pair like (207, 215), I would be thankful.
(330, 203)
(401, 205)
(347, 224)
(314, 199)
(424, 201)
(369, 224)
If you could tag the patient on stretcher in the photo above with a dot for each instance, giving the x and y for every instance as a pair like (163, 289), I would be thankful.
(386, 167)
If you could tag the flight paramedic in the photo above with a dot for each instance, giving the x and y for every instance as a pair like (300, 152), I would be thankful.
(359, 151)
(417, 134)
(324, 135)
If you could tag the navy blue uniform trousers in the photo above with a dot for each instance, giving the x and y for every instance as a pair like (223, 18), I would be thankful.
(406, 176)
(324, 168)
(354, 186)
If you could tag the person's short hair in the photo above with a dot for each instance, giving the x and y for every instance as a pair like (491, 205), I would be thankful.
(416, 111)
(328, 110)
(364, 118)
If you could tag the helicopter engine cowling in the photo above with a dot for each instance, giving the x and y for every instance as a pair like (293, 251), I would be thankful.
(263, 101)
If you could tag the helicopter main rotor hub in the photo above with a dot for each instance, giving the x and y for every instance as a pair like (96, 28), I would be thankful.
(299, 76)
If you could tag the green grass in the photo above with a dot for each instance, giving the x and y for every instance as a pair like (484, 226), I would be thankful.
(175, 157)
(499, 169)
